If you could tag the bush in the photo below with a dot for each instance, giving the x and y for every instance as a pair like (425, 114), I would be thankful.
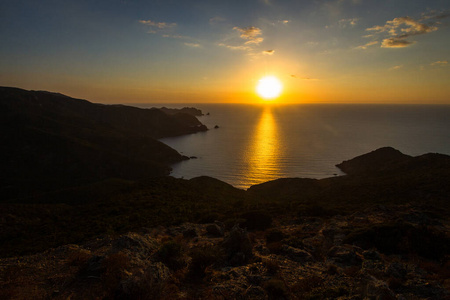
(402, 238)
(274, 236)
(171, 254)
(256, 220)
(203, 257)
(276, 289)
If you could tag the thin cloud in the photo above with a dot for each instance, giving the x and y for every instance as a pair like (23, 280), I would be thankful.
(348, 22)
(158, 25)
(398, 30)
(396, 68)
(440, 63)
(302, 78)
(231, 47)
(268, 52)
(193, 45)
(216, 20)
(251, 34)
(364, 47)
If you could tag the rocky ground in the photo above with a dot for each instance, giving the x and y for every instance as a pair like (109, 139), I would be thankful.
(384, 252)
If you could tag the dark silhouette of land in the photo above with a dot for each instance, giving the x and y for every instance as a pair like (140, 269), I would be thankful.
(87, 212)
(50, 141)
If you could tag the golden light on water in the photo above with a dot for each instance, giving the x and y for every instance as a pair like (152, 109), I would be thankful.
(264, 150)
(269, 87)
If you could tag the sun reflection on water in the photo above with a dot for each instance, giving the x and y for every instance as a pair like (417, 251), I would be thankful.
(264, 150)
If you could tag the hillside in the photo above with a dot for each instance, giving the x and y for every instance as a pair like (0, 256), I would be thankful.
(50, 141)
(379, 235)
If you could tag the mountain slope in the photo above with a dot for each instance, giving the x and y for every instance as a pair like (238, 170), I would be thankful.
(51, 141)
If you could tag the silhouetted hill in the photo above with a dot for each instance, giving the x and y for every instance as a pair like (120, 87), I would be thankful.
(186, 110)
(384, 175)
(51, 141)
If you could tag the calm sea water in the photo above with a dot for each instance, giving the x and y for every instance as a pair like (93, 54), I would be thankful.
(255, 144)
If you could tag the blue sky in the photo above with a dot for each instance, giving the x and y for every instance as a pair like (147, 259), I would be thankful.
(216, 51)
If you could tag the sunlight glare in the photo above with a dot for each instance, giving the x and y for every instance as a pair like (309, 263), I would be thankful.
(269, 87)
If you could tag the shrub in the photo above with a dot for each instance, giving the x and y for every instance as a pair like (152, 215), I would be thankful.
(171, 254)
(203, 257)
(256, 220)
(275, 288)
(274, 236)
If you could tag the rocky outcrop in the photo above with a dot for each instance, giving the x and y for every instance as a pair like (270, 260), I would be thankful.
(239, 265)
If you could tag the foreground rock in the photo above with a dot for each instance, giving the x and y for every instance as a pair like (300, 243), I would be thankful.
(292, 260)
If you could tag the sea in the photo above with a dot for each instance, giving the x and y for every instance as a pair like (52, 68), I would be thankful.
(255, 143)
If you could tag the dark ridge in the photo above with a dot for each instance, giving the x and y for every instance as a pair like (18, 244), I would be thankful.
(374, 161)
(186, 110)
(50, 141)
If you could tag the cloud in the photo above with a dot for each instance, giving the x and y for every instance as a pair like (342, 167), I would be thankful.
(398, 30)
(302, 78)
(395, 43)
(158, 25)
(193, 45)
(440, 63)
(251, 34)
(231, 47)
(348, 22)
(284, 21)
(268, 52)
(216, 20)
(364, 47)
(396, 67)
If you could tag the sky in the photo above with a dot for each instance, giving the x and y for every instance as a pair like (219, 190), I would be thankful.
(180, 51)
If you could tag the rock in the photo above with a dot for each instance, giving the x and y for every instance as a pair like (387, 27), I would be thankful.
(296, 254)
(397, 270)
(214, 230)
(344, 256)
(255, 292)
(190, 233)
(146, 283)
(141, 246)
(377, 289)
(216, 127)
(371, 255)
(237, 246)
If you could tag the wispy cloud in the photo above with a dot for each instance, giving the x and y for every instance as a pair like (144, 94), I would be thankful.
(396, 68)
(251, 34)
(302, 78)
(231, 47)
(193, 45)
(216, 20)
(364, 47)
(252, 37)
(158, 25)
(348, 22)
(440, 63)
(397, 31)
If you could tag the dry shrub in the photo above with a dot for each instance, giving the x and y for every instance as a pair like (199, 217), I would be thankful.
(276, 289)
(78, 258)
(307, 284)
(114, 267)
(271, 265)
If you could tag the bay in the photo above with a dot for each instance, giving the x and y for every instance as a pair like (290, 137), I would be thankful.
(255, 144)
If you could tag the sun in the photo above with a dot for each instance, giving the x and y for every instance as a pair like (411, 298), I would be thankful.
(269, 87)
